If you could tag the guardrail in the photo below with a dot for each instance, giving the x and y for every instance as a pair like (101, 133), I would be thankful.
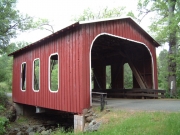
(99, 97)
(140, 93)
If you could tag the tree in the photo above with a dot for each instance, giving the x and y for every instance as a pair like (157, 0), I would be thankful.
(178, 72)
(88, 14)
(162, 61)
(12, 22)
(6, 65)
(165, 29)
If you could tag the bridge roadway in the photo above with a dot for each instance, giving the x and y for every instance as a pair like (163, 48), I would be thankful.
(171, 105)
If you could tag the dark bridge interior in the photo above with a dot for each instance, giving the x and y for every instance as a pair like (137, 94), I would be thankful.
(115, 52)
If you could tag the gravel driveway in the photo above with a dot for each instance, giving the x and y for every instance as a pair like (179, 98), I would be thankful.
(171, 105)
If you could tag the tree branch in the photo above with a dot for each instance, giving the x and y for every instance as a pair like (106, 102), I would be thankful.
(52, 30)
(147, 12)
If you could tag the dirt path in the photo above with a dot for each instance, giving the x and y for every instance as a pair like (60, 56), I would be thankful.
(171, 105)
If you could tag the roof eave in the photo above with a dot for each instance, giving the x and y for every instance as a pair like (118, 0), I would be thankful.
(43, 39)
(156, 44)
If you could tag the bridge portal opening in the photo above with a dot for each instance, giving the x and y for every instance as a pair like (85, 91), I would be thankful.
(116, 61)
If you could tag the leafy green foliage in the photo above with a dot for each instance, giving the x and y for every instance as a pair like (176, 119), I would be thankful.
(3, 104)
(54, 77)
(160, 27)
(36, 74)
(178, 73)
(14, 47)
(108, 77)
(128, 77)
(12, 22)
(4, 86)
(163, 70)
(2, 109)
(3, 124)
(165, 28)
(5, 72)
(6, 66)
(106, 12)
(3, 98)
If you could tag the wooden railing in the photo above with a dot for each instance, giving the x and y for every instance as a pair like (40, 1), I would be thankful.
(99, 97)
(139, 93)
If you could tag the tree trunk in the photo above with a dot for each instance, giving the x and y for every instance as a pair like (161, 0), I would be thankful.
(172, 50)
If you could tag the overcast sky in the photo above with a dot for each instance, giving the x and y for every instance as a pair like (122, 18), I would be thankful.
(61, 12)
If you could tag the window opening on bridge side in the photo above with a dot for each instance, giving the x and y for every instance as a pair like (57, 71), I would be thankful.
(23, 76)
(54, 72)
(36, 75)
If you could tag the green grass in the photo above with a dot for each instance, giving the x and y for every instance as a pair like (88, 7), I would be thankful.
(22, 120)
(136, 123)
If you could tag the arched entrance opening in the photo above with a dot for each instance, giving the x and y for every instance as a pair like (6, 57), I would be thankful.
(109, 54)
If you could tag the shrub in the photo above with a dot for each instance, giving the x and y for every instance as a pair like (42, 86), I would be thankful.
(2, 109)
(4, 86)
(3, 124)
(3, 98)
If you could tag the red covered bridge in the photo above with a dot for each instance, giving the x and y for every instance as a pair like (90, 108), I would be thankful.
(55, 72)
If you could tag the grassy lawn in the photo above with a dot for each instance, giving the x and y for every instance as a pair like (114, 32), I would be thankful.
(137, 123)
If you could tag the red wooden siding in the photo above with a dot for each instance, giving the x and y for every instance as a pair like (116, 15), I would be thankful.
(69, 93)
(73, 48)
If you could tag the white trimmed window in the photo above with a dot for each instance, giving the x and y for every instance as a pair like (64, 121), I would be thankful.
(36, 75)
(54, 72)
(23, 76)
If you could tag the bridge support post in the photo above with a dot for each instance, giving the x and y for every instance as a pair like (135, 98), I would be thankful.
(19, 109)
(79, 123)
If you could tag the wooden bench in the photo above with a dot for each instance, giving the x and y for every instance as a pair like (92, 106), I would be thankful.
(99, 97)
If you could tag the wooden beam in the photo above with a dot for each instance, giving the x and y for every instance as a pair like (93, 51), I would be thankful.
(137, 75)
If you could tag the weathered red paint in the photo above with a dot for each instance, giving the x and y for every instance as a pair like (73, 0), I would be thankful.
(73, 46)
